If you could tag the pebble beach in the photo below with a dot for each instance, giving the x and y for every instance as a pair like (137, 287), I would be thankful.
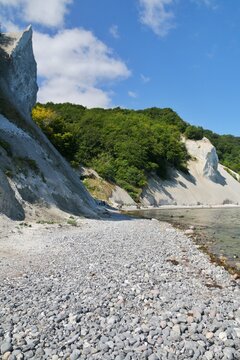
(114, 289)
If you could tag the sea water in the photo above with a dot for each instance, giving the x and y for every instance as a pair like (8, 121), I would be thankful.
(218, 228)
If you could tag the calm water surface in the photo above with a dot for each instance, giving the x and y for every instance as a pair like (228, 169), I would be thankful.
(219, 228)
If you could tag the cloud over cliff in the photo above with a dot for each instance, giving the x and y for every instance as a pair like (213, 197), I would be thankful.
(73, 65)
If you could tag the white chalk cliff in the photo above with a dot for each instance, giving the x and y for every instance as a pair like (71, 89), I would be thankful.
(207, 183)
(33, 174)
(18, 71)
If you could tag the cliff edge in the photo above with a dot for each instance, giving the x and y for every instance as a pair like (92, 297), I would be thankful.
(33, 175)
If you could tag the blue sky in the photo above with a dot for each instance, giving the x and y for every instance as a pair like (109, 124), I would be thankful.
(182, 54)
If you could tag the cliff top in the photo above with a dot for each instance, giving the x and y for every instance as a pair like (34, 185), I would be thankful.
(9, 41)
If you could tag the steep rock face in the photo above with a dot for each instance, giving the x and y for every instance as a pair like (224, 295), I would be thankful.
(207, 183)
(204, 151)
(210, 169)
(32, 172)
(9, 205)
(18, 71)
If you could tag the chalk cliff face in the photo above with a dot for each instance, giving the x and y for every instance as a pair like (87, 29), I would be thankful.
(19, 71)
(33, 175)
(205, 152)
(207, 183)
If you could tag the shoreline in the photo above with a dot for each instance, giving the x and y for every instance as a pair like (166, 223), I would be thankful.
(111, 289)
(172, 207)
(201, 241)
(198, 238)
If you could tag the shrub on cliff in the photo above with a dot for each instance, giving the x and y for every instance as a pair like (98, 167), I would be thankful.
(194, 132)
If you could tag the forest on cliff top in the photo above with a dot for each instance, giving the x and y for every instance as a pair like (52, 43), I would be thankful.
(124, 146)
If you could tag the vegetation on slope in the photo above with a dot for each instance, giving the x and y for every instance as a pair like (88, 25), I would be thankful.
(124, 146)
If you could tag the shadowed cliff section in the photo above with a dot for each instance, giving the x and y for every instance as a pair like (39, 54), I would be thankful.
(33, 175)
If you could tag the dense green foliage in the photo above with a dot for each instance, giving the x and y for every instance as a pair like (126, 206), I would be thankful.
(124, 146)
(194, 132)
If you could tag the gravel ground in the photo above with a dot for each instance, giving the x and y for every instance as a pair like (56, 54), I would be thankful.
(132, 289)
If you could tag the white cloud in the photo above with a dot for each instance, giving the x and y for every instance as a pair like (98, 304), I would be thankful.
(50, 13)
(74, 64)
(132, 94)
(114, 31)
(154, 14)
(63, 89)
(145, 79)
(208, 3)
(158, 15)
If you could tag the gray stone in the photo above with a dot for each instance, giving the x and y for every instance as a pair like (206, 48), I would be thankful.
(75, 354)
(228, 353)
(6, 347)
(153, 357)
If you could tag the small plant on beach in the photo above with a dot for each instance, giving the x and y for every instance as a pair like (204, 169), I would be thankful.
(24, 224)
(72, 222)
(49, 222)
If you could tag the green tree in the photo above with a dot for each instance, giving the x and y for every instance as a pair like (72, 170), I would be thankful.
(194, 132)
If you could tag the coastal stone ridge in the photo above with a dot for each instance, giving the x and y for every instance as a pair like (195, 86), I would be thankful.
(114, 290)
(33, 175)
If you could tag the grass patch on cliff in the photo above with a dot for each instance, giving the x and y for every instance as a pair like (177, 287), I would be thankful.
(99, 188)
